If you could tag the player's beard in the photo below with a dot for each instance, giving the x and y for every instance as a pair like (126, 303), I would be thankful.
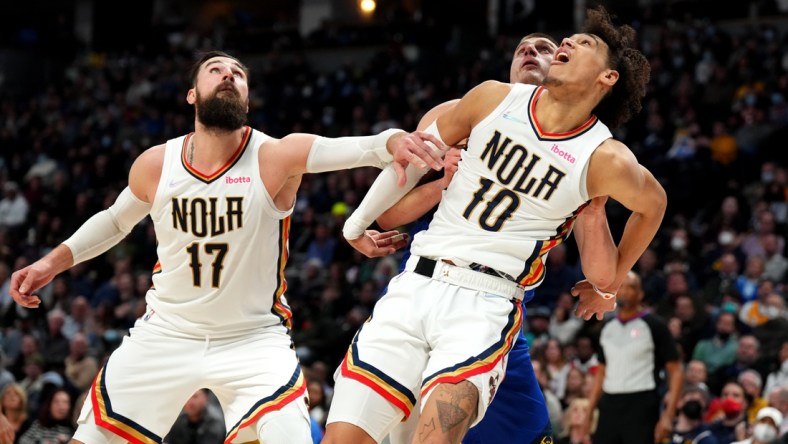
(224, 112)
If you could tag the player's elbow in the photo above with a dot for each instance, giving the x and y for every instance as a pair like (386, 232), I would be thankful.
(601, 279)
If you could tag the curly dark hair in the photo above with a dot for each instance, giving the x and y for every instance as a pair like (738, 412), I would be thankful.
(634, 71)
(204, 57)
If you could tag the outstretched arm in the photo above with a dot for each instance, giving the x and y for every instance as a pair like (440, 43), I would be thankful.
(98, 234)
(425, 196)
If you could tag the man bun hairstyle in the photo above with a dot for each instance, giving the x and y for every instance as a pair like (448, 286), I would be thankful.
(634, 71)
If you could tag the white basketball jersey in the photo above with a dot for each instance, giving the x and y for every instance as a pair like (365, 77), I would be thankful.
(516, 194)
(222, 245)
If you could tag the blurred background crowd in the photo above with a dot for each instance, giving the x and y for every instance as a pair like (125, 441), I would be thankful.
(83, 90)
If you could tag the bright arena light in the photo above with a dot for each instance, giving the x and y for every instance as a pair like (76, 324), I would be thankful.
(367, 6)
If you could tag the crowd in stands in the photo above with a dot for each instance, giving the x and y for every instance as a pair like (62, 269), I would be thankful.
(713, 131)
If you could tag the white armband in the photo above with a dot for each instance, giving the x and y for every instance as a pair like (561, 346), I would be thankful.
(604, 294)
(382, 195)
(106, 228)
(332, 154)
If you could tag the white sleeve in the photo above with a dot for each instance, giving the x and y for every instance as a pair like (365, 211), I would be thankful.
(332, 154)
(106, 228)
(383, 194)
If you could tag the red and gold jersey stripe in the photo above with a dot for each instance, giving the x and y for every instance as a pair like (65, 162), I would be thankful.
(208, 178)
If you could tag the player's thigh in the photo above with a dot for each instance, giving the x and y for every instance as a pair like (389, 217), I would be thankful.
(404, 431)
(471, 338)
(144, 385)
(388, 356)
(256, 378)
(518, 408)
(358, 413)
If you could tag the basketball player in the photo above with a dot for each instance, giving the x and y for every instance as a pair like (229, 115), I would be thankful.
(519, 408)
(220, 200)
(535, 156)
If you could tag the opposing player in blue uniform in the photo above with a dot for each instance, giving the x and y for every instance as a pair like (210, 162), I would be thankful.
(519, 408)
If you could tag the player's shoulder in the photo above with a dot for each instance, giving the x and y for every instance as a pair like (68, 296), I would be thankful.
(153, 156)
(493, 86)
(614, 154)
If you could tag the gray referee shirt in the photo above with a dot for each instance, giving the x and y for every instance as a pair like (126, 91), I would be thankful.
(634, 352)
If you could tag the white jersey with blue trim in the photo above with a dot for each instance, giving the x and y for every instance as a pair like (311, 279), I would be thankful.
(222, 245)
(516, 193)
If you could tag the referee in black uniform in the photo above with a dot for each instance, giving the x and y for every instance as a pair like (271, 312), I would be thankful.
(634, 348)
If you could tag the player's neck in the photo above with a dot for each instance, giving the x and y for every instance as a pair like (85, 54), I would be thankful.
(560, 112)
(209, 149)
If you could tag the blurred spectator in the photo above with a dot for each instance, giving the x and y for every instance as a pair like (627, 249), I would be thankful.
(554, 411)
(747, 283)
(200, 422)
(689, 427)
(538, 327)
(753, 389)
(575, 421)
(752, 244)
(728, 415)
(53, 423)
(778, 398)
(748, 356)
(722, 282)
(779, 377)
(564, 325)
(81, 368)
(13, 404)
(318, 407)
(575, 384)
(13, 207)
(766, 427)
(769, 305)
(720, 350)
(556, 366)
(585, 358)
(695, 374)
(776, 264)
(559, 276)
(55, 347)
(653, 277)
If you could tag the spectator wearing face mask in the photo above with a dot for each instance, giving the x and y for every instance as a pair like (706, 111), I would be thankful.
(728, 414)
(689, 428)
(766, 428)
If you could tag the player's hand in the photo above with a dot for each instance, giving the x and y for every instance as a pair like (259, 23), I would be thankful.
(376, 244)
(7, 432)
(664, 428)
(450, 165)
(27, 280)
(412, 148)
(591, 303)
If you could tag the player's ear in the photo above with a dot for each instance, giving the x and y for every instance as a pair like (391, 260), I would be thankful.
(609, 77)
(191, 96)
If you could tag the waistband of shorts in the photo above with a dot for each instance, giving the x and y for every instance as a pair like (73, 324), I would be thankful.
(464, 277)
